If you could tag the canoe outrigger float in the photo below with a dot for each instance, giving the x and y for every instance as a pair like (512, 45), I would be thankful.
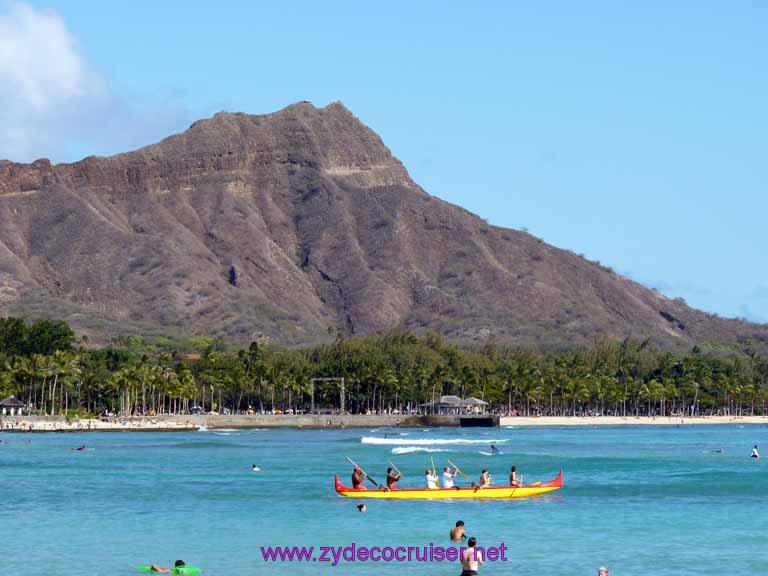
(535, 489)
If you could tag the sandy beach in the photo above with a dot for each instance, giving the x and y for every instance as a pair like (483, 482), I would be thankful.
(191, 423)
(628, 420)
(52, 424)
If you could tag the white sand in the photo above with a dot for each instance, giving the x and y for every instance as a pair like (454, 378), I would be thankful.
(32, 424)
(619, 420)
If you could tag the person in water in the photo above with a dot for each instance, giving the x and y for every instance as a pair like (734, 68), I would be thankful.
(431, 479)
(457, 532)
(79, 449)
(471, 558)
(494, 450)
(515, 479)
(361, 508)
(177, 564)
(603, 571)
(755, 453)
(358, 477)
(392, 479)
(255, 468)
(448, 477)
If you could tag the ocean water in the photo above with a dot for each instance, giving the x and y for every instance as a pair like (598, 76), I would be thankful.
(641, 500)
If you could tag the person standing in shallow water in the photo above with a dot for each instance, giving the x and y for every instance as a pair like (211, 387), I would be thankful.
(471, 558)
(755, 453)
(458, 533)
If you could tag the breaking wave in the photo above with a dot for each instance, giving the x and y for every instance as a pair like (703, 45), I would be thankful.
(415, 449)
(426, 441)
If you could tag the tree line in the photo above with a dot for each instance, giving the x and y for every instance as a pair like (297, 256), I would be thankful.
(46, 367)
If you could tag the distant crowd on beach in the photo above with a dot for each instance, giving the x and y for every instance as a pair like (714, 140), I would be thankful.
(28, 424)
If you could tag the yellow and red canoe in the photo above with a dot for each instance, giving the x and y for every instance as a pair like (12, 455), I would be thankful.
(535, 489)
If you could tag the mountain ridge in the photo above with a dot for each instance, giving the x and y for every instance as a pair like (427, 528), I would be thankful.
(297, 225)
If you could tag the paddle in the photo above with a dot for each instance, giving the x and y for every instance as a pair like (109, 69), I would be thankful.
(396, 470)
(364, 472)
(434, 471)
(466, 478)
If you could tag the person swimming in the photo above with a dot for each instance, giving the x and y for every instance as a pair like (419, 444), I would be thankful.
(255, 468)
(361, 508)
(755, 453)
(79, 449)
(160, 569)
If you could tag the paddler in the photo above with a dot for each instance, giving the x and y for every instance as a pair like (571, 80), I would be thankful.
(448, 476)
(485, 478)
(515, 479)
(392, 479)
(358, 477)
(431, 479)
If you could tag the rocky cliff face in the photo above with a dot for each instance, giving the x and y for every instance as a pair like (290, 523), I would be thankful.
(296, 225)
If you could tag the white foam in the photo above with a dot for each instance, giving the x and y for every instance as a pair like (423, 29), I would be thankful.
(426, 441)
(414, 449)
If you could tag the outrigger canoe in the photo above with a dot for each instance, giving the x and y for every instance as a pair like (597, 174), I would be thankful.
(535, 489)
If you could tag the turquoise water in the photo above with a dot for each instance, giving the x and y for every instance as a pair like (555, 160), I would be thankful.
(642, 500)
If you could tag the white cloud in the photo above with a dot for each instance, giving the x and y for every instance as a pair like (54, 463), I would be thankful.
(45, 81)
(38, 58)
(54, 105)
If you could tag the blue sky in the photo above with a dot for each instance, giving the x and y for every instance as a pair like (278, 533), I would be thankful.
(634, 134)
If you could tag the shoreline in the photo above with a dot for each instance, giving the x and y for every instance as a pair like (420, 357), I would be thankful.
(629, 420)
(181, 423)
